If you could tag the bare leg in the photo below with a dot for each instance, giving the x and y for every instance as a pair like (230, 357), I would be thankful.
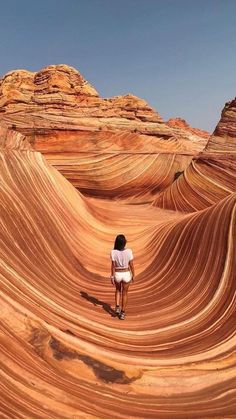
(125, 287)
(117, 294)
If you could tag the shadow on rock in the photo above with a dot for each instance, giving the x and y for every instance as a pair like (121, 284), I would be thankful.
(106, 307)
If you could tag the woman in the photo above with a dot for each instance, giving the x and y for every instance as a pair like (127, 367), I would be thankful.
(122, 273)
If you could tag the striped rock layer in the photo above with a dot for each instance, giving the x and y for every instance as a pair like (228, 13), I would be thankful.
(180, 125)
(63, 353)
(211, 176)
(112, 147)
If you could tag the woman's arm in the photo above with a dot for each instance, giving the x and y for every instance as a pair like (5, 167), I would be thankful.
(112, 268)
(112, 271)
(131, 266)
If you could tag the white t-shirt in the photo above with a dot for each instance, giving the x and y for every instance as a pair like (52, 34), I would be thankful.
(122, 257)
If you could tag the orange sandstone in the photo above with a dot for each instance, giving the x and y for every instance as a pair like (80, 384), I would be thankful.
(63, 354)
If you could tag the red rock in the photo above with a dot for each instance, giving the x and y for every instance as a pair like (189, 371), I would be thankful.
(62, 353)
(63, 116)
(183, 125)
(224, 137)
(212, 175)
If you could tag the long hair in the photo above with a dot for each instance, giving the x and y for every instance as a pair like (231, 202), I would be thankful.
(120, 242)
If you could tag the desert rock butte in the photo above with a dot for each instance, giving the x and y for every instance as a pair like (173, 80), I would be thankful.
(76, 170)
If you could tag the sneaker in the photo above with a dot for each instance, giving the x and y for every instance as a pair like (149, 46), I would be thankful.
(122, 315)
(117, 310)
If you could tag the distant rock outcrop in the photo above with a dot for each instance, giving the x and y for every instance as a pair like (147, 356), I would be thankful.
(181, 124)
(64, 117)
(59, 97)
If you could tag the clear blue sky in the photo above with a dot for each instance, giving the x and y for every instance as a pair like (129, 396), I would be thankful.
(179, 55)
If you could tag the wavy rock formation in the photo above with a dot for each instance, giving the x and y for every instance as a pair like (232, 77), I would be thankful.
(63, 354)
(63, 117)
(211, 176)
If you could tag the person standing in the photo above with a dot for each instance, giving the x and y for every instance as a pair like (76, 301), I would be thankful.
(122, 273)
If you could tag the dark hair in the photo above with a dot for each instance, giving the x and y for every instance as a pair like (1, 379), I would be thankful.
(120, 242)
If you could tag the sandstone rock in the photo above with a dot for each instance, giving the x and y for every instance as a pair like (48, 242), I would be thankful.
(63, 116)
(212, 175)
(63, 355)
(223, 139)
(181, 124)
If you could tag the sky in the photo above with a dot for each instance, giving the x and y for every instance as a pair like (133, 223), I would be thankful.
(178, 55)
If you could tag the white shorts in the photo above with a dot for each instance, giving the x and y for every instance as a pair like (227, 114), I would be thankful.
(123, 276)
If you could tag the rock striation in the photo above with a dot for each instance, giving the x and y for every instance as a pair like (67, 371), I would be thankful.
(211, 176)
(223, 139)
(70, 102)
(180, 125)
(64, 117)
(62, 352)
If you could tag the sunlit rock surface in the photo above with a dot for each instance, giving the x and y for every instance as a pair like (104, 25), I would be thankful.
(118, 147)
(63, 353)
(180, 126)
(224, 137)
(211, 176)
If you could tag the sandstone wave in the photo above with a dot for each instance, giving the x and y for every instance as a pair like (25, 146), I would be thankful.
(64, 195)
(59, 340)
(211, 176)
